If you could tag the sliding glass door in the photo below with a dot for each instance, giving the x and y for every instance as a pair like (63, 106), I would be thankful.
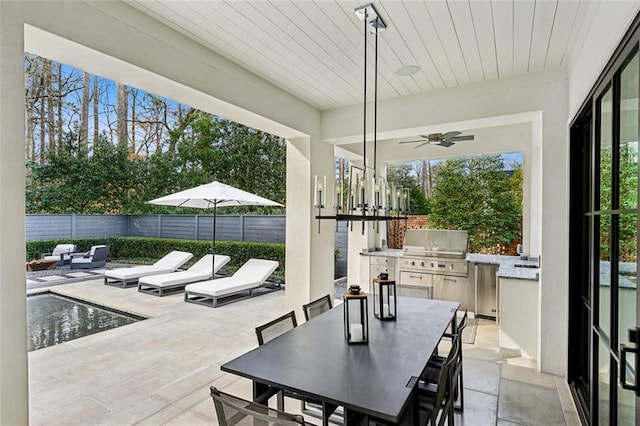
(603, 313)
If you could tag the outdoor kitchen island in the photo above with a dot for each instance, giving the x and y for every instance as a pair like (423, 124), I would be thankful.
(517, 299)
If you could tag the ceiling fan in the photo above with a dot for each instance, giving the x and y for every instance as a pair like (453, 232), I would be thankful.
(442, 139)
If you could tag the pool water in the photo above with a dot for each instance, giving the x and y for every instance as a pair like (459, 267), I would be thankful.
(53, 319)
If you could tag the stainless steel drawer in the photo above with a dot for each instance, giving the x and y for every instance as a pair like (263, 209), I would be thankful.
(419, 279)
(381, 260)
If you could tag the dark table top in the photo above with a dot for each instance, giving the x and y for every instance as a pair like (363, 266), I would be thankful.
(315, 359)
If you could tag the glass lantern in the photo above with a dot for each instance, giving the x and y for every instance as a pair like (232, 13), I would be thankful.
(356, 324)
(384, 299)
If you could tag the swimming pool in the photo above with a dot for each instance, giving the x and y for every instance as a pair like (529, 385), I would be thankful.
(54, 319)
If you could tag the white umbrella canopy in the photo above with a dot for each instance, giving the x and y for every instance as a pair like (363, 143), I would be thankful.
(213, 195)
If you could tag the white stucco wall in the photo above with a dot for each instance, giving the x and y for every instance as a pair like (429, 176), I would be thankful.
(610, 21)
(13, 325)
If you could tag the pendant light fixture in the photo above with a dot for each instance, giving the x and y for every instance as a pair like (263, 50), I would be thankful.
(367, 196)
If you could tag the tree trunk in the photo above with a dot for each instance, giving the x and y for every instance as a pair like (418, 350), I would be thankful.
(121, 112)
(84, 114)
(48, 77)
(425, 178)
(173, 139)
(60, 101)
(96, 109)
(134, 95)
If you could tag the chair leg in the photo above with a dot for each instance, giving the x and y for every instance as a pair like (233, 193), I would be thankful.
(461, 392)
(280, 399)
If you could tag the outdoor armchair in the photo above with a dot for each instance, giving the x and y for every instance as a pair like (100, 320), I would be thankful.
(61, 254)
(96, 258)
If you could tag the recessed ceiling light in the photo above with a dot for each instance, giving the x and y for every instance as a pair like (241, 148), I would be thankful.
(408, 70)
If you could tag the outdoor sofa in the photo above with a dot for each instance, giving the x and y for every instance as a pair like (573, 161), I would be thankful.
(126, 277)
(242, 284)
(173, 282)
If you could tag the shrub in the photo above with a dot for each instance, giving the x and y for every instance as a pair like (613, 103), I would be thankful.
(147, 250)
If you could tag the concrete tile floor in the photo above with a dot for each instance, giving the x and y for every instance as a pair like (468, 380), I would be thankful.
(158, 371)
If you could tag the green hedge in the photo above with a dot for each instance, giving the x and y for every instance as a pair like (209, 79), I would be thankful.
(148, 250)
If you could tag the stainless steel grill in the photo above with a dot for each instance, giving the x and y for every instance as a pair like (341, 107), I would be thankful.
(434, 265)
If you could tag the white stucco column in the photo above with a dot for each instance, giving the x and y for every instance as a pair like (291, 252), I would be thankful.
(14, 397)
(309, 254)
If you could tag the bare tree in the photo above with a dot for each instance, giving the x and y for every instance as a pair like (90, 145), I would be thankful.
(96, 108)
(84, 112)
(51, 100)
(121, 112)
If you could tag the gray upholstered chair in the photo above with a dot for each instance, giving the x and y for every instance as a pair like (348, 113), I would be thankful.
(95, 258)
(61, 254)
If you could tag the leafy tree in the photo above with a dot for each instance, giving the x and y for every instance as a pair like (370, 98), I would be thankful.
(72, 182)
(475, 194)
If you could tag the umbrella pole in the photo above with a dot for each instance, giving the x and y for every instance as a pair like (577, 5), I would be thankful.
(213, 242)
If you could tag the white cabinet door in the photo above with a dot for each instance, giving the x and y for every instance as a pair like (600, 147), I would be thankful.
(453, 288)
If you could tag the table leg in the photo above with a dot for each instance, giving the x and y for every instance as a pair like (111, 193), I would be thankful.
(262, 393)
(353, 418)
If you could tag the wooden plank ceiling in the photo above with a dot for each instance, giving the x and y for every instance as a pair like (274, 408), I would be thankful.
(314, 48)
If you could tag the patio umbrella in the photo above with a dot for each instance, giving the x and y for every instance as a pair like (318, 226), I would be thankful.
(213, 195)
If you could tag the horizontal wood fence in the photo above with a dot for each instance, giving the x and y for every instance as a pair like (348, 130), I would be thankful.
(267, 229)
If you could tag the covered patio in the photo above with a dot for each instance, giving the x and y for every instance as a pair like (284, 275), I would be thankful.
(313, 102)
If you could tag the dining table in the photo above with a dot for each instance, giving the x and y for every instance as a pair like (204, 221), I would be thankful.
(375, 380)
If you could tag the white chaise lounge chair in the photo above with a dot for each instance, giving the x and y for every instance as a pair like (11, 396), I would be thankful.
(125, 277)
(248, 278)
(164, 284)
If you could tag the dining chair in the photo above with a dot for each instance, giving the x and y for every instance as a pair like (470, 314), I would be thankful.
(275, 328)
(317, 307)
(436, 362)
(435, 399)
(232, 410)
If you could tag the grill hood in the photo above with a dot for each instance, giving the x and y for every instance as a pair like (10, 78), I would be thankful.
(435, 243)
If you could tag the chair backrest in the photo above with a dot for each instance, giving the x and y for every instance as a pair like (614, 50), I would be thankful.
(63, 249)
(462, 324)
(443, 398)
(99, 253)
(317, 307)
(206, 265)
(256, 270)
(232, 410)
(173, 260)
(275, 328)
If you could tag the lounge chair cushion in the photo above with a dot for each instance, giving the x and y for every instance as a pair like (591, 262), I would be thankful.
(251, 275)
(199, 271)
(168, 263)
(59, 250)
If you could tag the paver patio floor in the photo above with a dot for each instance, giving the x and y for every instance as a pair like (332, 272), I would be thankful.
(158, 371)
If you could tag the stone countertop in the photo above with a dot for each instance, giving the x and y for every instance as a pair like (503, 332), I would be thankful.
(507, 268)
(383, 252)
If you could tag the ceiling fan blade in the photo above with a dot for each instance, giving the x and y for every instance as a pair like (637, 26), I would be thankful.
(446, 143)
(418, 140)
(451, 135)
(422, 144)
(463, 138)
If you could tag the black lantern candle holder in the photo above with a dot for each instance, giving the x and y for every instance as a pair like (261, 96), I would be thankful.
(356, 317)
(384, 299)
